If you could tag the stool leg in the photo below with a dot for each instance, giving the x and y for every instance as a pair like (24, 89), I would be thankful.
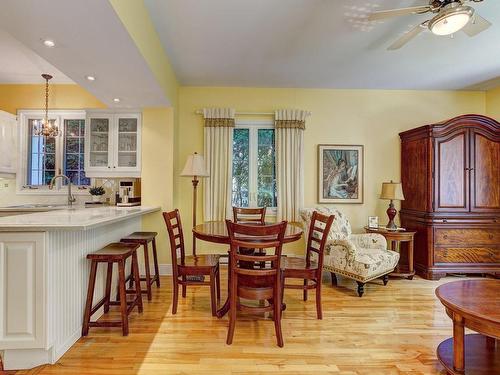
(155, 259)
(109, 277)
(148, 271)
(123, 296)
(135, 269)
(90, 295)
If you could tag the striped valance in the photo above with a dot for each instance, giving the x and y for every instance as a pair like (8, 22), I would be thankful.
(290, 119)
(219, 117)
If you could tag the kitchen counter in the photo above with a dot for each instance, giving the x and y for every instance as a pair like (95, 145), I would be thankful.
(77, 218)
(44, 275)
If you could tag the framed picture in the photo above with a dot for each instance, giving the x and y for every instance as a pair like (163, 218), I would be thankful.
(372, 221)
(340, 174)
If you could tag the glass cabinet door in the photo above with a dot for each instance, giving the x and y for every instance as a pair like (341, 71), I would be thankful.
(99, 142)
(127, 142)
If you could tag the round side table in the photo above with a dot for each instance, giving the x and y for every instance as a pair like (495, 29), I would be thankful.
(394, 239)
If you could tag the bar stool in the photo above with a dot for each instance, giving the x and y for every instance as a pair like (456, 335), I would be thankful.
(113, 253)
(143, 238)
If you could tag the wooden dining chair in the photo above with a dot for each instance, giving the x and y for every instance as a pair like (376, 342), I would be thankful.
(252, 282)
(196, 265)
(308, 269)
(249, 215)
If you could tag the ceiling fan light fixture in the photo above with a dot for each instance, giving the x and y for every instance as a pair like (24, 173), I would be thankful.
(451, 19)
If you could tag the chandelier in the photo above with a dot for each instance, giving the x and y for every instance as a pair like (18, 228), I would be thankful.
(47, 127)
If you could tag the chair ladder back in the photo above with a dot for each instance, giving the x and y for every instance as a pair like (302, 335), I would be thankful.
(243, 236)
(173, 222)
(319, 224)
(246, 214)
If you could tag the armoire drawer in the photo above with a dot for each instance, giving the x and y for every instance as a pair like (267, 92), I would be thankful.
(467, 236)
(467, 254)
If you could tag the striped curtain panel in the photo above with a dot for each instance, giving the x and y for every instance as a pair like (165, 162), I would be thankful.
(219, 125)
(290, 126)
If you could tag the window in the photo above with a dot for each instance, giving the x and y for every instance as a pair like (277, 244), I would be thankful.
(44, 157)
(254, 169)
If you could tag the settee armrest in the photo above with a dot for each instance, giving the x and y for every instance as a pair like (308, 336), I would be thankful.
(369, 241)
(341, 245)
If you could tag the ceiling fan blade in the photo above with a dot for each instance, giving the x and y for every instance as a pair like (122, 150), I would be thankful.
(398, 12)
(407, 37)
(476, 25)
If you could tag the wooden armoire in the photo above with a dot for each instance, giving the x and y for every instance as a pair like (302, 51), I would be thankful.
(450, 173)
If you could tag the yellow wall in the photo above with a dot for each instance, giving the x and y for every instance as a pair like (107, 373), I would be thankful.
(372, 118)
(157, 172)
(493, 103)
(14, 97)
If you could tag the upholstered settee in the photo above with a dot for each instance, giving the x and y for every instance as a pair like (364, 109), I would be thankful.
(362, 257)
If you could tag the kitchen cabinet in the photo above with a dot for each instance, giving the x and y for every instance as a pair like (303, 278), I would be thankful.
(8, 137)
(113, 144)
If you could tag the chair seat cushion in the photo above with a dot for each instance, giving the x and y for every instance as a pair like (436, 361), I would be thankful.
(365, 265)
(205, 260)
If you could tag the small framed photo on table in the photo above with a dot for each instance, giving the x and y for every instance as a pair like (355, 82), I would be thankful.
(372, 221)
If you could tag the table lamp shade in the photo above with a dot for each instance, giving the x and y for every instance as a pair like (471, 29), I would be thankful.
(392, 191)
(195, 166)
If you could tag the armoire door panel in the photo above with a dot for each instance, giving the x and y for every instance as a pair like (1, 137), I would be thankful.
(451, 175)
(485, 173)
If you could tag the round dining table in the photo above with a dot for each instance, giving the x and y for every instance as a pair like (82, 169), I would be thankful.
(216, 232)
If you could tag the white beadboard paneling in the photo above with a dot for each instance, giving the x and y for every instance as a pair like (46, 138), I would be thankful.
(68, 279)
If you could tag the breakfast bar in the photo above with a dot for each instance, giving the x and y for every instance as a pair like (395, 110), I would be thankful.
(44, 274)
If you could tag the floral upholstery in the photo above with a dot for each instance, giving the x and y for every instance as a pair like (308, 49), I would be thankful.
(362, 257)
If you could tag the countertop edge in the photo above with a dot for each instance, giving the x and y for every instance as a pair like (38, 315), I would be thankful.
(59, 227)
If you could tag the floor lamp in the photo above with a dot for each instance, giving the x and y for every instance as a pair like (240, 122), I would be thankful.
(194, 168)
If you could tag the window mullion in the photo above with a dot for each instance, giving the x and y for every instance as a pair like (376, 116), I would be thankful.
(253, 165)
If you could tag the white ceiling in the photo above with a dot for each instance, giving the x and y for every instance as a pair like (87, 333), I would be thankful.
(319, 43)
(90, 40)
(19, 64)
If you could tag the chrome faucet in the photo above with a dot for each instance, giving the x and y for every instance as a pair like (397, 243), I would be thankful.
(71, 198)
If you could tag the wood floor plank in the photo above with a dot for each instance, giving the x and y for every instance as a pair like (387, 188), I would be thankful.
(390, 330)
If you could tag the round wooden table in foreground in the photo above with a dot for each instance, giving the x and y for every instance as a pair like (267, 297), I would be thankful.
(473, 304)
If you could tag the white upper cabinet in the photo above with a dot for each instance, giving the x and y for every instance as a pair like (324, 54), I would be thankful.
(113, 144)
(8, 142)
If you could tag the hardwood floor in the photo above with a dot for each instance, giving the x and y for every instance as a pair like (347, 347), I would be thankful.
(390, 330)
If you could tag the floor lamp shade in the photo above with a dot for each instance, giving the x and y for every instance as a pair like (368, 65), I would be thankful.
(195, 166)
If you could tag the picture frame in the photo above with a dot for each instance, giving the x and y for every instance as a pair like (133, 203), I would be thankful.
(372, 221)
(340, 173)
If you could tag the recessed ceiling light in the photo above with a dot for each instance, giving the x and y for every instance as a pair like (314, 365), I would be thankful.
(90, 78)
(49, 43)
(116, 100)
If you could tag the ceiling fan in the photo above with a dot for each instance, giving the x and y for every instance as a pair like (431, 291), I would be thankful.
(450, 16)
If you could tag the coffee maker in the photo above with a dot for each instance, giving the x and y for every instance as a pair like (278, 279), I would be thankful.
(129, 192)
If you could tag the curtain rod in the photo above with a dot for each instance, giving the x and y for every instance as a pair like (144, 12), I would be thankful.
(200, 112)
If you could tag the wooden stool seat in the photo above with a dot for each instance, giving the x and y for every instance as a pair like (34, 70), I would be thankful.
(143, 238)
(140, 236)
(113, 253)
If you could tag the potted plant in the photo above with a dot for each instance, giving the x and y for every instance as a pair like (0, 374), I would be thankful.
(97, 192)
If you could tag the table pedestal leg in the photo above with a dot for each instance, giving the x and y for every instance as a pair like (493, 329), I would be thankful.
(458, 343)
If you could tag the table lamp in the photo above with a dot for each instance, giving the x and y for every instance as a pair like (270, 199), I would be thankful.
(194, 167)
(392, 191)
